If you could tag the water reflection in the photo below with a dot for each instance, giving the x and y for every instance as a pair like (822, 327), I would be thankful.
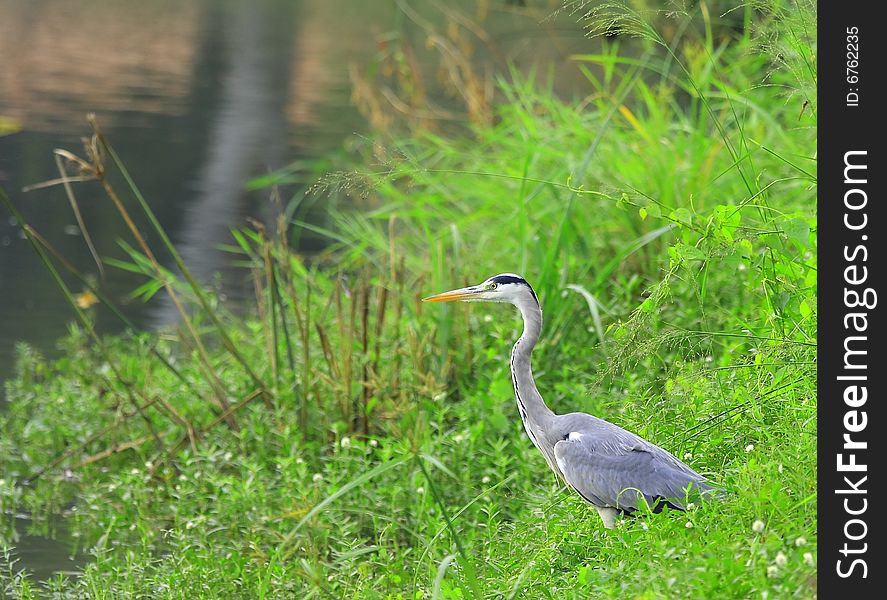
(123, 60)
(247, 133)
(43, 557)
(197, 97)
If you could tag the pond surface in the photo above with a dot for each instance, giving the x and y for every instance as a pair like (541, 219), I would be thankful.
(197, 96)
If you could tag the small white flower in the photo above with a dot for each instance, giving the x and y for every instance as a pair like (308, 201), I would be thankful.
(439, 397)
(801, 541)
(374, 443)
(772, 571)
(458, 438)
(2, 482)
(228, 456)
(691, 506)
(420, 490)
(688, 456)
(486, 479)
(709, 359)
(750, 447)
(148, 464)
(808, 559)
(183, 477)
(757, 526)
(488, 318)
(781, 559)
(300, 461)
(645, 527)
(190, 525)
(317, 478)
(779, 468)
(689, 525)
(134, 472)
(742, 267)
(346, 442)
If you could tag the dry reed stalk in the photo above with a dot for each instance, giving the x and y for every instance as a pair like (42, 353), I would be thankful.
(303, 407)
(279, 307)
(80, 447)
(377, 386)
(115, 449)
(352, 329)
(328, 355)
(304, 326)
(189, 427)
(364, 346)
(72, 200)
(87, 323)
(99, 142)
(158, 460)
(272, 301)
(398, 344)
(344, 392)
(97, 168)
(259, 291)
(64, 262)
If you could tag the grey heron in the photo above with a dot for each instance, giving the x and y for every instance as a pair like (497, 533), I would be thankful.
(612, 469)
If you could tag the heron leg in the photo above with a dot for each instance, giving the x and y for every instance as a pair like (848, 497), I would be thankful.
(608, 516)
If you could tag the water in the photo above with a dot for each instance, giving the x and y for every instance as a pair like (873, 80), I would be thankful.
(44, 556)
(197, 96)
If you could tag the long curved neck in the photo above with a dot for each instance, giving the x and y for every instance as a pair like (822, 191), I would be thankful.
(530, 403)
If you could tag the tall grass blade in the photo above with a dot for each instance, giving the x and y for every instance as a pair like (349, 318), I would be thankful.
(354, 483)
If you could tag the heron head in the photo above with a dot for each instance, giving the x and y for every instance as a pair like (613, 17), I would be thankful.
(506, 287)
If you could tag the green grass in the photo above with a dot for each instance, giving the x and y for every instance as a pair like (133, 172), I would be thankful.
(371, 447)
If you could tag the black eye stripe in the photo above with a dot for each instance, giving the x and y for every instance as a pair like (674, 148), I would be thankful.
(509, 279)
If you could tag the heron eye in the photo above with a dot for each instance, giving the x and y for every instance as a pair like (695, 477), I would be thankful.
(492, 285)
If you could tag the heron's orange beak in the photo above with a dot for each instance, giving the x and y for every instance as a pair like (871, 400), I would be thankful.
(453, 295)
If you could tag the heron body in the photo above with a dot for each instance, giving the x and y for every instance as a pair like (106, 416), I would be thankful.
(613, 469)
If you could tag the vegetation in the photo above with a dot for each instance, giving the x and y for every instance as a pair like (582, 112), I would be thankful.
(343, 440)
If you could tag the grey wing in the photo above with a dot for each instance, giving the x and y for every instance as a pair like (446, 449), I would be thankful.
(611, 468)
